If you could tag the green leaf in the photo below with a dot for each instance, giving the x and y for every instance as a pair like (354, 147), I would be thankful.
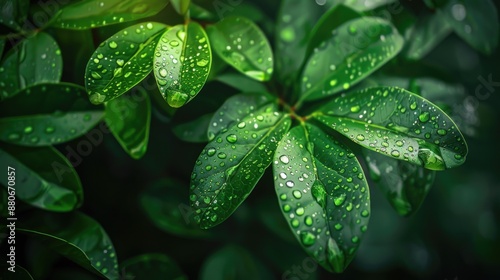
(358, 48)
(244, 46)
(399, 124)
(181, 6)
(19, 273)
(405, 185)
(13, 13)
(151, 266)
(242, 83)
(182, 71)
(425, 35)
(77, 237)
(36, 60)
(233, 262)
(323, 195)
(234, 110)
(230, 166)
(194, 131)
(129, 118)
(295, 21)
(200, 13)
(475, 21)
(366, 5)
(164, 204)
(87, 14)
(330, 21)
(122, 61)
(47, 114)
(46, 179)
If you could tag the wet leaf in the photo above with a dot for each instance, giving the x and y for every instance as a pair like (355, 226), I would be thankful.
(399, 124)
(95, 13)
(47, 114)
(358, 48)
(48, 179)
(242, 83)
(234, 110)
(34, 61)
(129, 118)
(330, 21)
(122, 61)
(230, 166)
(181, 6)
(405, 185)
(13, 13)
(194, 131)
(425, 35)
(182, 71)
(165, 205)
(242, 45)
(77, 237)
(323, 195)
(233, 262)
(475, 21)
(151, 266)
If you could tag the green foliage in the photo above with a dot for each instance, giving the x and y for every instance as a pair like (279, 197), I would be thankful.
(342, 102)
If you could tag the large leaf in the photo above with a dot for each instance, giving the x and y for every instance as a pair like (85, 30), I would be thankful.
(399, 124)
(230, 166)
(244, 46)
(47, 114)
(36, 60)
(323, 195)
(77, 237)
(13, 13)
(129, 117)
(44, 177)
(94, 13)
(475, 21)
(122, 61)
(358, 48)
(151, 266)
(234, 110)
(163, 204)
(182, 63)
(405, 185)
(232, 262)
(425, 35)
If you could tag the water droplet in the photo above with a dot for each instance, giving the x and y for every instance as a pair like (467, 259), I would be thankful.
(295, 223)
(346, 86)
(355, 239)
(360, 137)
(339, 200)
(149, 25)
(14, 136)
(355, 109)
(113, 45)
(222, 155)
(96, 75)
(174, 43)
(308, 220)
(202, 62)
(300, 211)
(297, 194)
(413, 105)
(424, 117)
(287, 208)
(307, 238)
(28, 129)
(399, 143)
(290, 184)
(284, 159)
(352, 29)
(365, 213)
(181, 35)
(120, 62)
(441, 132)
(49, 129)
(163, 72)
(338, 226)
(287, 34)
(395, 153)
(211, 152)
(176, 98)
(241, 125)
(459, 12)
(213, 218)
(333, 83)
(232, 138)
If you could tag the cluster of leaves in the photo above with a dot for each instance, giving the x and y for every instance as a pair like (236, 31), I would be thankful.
(302, 109)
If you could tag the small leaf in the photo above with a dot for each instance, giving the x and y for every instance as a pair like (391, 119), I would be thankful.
(323, 195)
(47, 114)
(475, 21)
(242, 83)
(399, 124)
(77, 237)
(87, 14)
(182, 71)
(234, 110)
(129, 117)
(244, 46)
(194, 131)
(332, 19)
(36, 60)
(13, 13)
(425, 35)
(151, 266)
(357, 48)
(405, 185)
(48, 179)
(122, 61)
(164, 205)
(232, 262)
(231, 165)
(181, 6)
